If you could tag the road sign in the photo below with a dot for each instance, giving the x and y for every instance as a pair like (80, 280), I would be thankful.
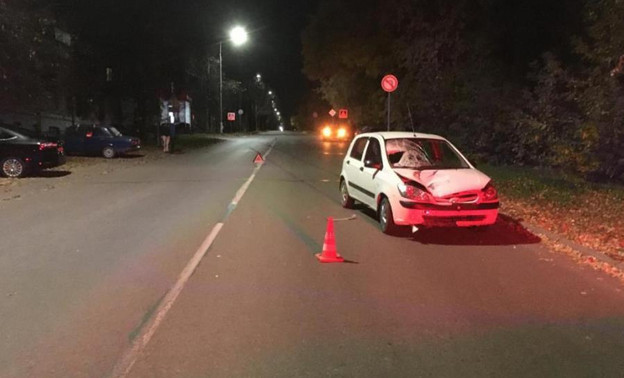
(332, 113)
(231, 116)
(240, 112)
(389, 83)
(259, 159)
(343, 114)
(315, 115)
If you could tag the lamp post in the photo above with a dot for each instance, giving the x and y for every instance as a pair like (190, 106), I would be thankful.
(238, 36)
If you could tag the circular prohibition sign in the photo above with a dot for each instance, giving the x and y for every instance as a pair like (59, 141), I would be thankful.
(389, 83)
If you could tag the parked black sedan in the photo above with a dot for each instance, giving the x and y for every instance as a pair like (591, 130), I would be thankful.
(20, 155)
(99, 140)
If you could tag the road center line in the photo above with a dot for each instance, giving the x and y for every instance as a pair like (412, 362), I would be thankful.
(127, 361)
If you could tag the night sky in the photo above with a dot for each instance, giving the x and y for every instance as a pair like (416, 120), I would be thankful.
(274, 48)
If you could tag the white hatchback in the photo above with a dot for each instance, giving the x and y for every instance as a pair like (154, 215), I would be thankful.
(414, 179)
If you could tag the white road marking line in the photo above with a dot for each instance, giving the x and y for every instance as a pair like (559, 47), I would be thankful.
(125, 364)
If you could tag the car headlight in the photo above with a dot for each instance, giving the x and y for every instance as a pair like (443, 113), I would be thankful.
(414, 193)
(342, 133)
(490, 193)
(327, 131)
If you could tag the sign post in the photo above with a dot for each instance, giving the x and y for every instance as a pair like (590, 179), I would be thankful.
(389, 84)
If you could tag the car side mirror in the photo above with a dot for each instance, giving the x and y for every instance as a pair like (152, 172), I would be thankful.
(371, 164)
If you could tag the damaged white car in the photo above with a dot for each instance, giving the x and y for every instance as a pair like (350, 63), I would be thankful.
(414, 179)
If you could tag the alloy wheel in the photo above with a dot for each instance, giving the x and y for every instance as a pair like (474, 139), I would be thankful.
(13, 167)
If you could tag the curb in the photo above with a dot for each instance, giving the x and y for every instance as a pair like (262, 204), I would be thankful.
(587, 254)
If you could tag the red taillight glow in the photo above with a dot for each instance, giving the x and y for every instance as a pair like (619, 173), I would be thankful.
(43, 146)
(490, 193)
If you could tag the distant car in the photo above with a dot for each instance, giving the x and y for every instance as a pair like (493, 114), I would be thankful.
(20, 155)
(413, 179)
(336, 132)
(99, 140)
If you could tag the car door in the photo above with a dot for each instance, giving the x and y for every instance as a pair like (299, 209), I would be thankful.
(73, 142)
(96, 139)
(372, 165)
(354, 167)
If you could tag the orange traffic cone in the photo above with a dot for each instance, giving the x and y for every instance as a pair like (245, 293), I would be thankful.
(329, 253)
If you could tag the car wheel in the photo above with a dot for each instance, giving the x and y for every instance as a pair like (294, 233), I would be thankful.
(13, 167)
(345, 199)
(108, 152)
(386, 219)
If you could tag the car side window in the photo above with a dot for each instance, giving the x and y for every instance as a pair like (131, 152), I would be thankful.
(373, 153)
(5, 135)
(101, 132)
(358, 148)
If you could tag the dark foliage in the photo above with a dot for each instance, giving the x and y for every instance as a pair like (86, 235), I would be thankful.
(523, 83)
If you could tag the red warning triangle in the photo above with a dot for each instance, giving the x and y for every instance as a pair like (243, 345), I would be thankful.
(258, 159)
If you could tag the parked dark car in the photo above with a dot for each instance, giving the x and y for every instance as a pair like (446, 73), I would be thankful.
(20, 155)
(96, 140)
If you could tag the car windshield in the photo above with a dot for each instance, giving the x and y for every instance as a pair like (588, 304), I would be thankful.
(423, 153)
(6, 134)
(114, 131)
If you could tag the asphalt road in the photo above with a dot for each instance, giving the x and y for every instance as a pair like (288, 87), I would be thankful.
(92, 281)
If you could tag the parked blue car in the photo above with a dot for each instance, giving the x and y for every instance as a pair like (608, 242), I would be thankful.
(99, 140)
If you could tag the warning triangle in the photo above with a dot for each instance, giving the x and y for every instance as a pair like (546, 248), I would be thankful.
(258, 159)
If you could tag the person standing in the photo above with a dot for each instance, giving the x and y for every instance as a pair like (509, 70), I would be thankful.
(172, 133)
(165, 136)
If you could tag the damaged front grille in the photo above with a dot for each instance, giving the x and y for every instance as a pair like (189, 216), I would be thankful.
(463, 197)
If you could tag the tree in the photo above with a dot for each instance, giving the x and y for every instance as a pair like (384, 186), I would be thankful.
(33, 63)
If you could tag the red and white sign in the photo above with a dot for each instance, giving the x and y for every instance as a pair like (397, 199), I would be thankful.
(389, 83)
(258, 159)
(231, 116)
(343, 114)
(332, 112)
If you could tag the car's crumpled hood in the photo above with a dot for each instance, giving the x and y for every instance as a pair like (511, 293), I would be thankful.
(444, 182)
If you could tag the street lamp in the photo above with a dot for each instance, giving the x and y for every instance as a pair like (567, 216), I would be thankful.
(238, 36)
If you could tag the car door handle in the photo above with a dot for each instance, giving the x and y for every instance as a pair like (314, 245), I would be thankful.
(361, 169)
(349, 162)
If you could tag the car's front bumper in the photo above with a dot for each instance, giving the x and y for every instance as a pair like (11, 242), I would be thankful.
(457, 215)
(128, 149)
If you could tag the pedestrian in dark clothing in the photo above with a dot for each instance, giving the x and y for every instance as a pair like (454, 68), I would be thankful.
(165, 136)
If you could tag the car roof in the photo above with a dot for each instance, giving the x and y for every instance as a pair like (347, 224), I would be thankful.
(402, 134)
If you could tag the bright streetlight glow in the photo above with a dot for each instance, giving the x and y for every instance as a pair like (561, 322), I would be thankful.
(270, 93)
(238, 35)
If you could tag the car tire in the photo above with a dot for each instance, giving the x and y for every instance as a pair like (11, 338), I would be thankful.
(386, 218)
(345, 199)
(14, 167)
(108, 152)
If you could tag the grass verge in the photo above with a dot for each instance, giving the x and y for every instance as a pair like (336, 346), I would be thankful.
(589, 214)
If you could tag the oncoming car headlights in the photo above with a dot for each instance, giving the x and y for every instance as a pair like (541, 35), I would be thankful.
(327, 131)
(342, 133)
(414, 193)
